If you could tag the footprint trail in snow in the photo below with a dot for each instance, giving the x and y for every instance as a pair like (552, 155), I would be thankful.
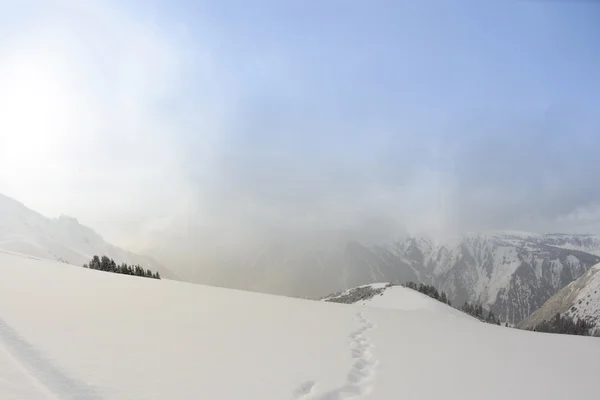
(359, 378)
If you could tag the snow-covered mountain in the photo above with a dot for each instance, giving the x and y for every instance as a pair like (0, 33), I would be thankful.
(578, 300)
(511, 273)
(25, 231)
(72, 333)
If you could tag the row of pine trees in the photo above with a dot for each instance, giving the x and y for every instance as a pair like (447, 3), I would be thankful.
(430, 291)
(566, 325)
(475, 310)
(558, 324)
(108, 264)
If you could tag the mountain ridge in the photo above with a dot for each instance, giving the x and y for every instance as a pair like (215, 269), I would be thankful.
(572, 301)
(511, 273)
(25, 231)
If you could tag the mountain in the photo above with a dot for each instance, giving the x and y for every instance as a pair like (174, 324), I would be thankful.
(511, 273)
(578, 300)
(117, 337)
(63, 239)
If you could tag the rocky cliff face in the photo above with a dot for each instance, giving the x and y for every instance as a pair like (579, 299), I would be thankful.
(579, 300)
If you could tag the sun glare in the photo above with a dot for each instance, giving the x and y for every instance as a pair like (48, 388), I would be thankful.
(34, 116)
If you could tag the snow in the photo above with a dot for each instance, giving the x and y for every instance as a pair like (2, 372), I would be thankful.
(506, 262)
(401, 298)
(72, 333)
(586, 243)
(587, 301)
(515, 234)
(378, 285)
(347, 291)
(579, 299)
(61, 239)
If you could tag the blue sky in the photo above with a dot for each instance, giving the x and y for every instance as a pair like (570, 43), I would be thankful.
(234, 119)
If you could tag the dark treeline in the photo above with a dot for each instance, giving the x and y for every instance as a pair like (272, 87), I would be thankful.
(109, 265)
(566, 326)
(558, 324)
(476, 310)
(430, 291)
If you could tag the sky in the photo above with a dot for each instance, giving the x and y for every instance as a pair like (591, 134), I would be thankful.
(165, 125)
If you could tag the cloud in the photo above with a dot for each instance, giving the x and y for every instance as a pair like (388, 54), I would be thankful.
(90, 124)
(203, 134)
(526, 171)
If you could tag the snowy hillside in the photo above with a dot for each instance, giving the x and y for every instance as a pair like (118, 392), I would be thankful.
(71, 333)
(395, 297)
(579, 300)
(587, 243)
(62, 239)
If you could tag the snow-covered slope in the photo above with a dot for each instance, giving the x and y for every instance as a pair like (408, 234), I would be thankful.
(578, 300)
(62, 239)
(394, 297)
(71, 333)
(587, 243)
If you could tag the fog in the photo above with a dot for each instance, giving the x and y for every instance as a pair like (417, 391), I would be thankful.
(202, 133)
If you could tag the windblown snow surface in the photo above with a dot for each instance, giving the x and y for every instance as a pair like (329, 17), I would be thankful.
(71, 333)
(397, 297)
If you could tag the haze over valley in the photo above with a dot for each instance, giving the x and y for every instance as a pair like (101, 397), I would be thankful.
(303, 200)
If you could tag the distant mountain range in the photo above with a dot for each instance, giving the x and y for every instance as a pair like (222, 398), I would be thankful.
(27, 232)
(511, 273)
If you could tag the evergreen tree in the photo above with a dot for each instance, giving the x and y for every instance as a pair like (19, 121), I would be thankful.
(491, 318)
(105, 263)
(443, 298)
(95, 263)
(565, 325)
